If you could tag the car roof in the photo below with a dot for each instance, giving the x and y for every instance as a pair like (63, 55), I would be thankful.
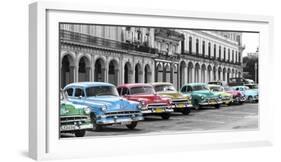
(131, 85)
(161, 83)
(195, 84)
(88, 84)
(214, 85)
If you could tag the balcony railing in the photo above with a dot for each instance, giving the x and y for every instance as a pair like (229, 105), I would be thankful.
(97, 41)
(212, 58)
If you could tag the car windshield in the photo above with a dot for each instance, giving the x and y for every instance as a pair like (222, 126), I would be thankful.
(142, 90)
(101, 91)
(199, 87)
(216, 89)
(228, 89)
(164, 88)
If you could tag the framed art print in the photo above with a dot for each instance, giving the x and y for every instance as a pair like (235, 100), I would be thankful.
(106, 79)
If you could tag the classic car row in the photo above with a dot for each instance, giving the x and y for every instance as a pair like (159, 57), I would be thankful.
(92, 105)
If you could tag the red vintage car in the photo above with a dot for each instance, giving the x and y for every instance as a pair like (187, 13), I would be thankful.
(239, 97)
(151, 102)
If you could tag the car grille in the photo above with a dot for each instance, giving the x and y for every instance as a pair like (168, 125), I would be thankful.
(69, 119)
(122, 113)
(157, 105)
(179, 101)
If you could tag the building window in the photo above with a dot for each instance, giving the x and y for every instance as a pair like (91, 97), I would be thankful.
(219, 52)
(197, 46)
(232, 56)
(224, 53)
(239, 57)
(215, 51)
(203, 48)
(228, 58)
(209, 49)
(236, 57)
(190, 45)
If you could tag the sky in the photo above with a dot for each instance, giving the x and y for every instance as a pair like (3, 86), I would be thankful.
(251, 42)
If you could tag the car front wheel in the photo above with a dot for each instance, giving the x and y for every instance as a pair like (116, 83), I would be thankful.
(186, 111)
(165, 116)
(217, 106)
(80, 133)
(250, 99)
(196, 105)
(96, 127)
(132, 125)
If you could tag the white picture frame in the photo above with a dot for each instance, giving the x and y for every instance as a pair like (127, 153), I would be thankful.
(43, 86)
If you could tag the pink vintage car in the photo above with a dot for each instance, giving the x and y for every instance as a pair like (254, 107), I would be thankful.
(238, 96)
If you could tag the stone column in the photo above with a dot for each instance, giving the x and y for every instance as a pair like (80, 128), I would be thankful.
(76, 73)
(193, 74)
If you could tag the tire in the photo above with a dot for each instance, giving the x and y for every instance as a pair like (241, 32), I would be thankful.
(165, 116)
(250, 99)
(217, 106)
(80, 133)
(132, 125)
(196, 105)
(186, 111)
(96, 127)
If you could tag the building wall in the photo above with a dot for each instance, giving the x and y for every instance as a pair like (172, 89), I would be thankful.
(118, 54)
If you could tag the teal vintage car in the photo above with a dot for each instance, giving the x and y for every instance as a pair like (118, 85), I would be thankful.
(74, 118)
(201, 95)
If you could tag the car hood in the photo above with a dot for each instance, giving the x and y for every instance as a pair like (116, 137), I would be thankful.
(69, 109)
(172, 95)
(114, 103)
(204, 93)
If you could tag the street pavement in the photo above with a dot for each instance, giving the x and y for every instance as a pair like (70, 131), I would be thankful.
(227, 118)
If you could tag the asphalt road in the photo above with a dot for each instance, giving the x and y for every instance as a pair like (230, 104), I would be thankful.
(226, 118)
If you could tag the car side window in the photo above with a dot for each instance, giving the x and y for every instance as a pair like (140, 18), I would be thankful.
(189, 89)
(183, 90)
(79, 92)
(125, 91)
(69, 91)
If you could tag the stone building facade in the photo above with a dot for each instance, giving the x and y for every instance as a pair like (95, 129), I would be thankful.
(118, 54)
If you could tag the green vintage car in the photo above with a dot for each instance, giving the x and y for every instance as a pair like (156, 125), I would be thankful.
(227, 98)
(180, 102)
(201, 95)
(74, 118)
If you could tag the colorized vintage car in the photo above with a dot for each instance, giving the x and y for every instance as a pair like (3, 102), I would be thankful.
(251, 95)
(107, 107)
(180, 102)
(238, 96)
(74, 118)
(227, 98)
(201, 95)
(152, 103)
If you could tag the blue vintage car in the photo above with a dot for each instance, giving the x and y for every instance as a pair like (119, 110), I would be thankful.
(107, 107)
(201, 95)
(252, 95)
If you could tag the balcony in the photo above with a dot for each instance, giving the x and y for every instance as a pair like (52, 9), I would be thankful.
(86, 39)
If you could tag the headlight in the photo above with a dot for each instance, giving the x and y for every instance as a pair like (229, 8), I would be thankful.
(220, 97)
(202, 98)
(139, 106)
(103, 108)
(87, 110)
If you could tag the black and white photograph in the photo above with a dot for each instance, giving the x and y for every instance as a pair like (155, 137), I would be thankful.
(137, 80)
